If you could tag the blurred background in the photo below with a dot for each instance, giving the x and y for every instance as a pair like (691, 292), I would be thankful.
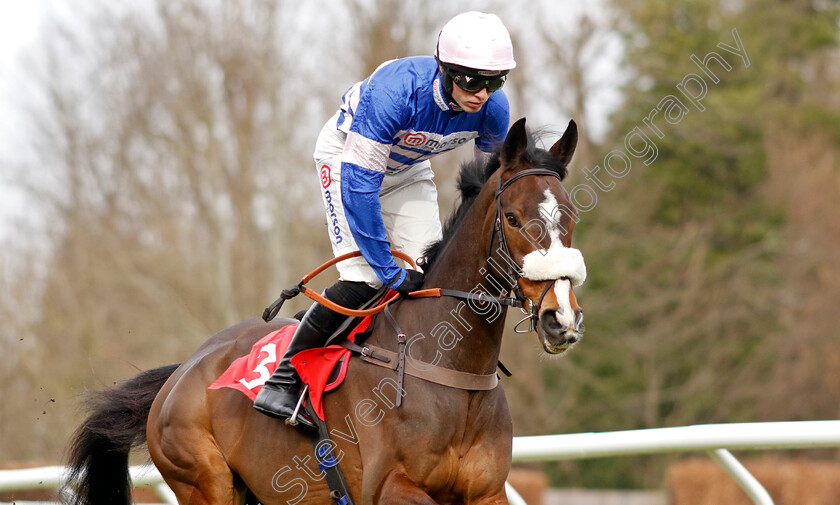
(157, 186)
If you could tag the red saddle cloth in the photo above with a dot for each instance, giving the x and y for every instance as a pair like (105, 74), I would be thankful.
(248, 373)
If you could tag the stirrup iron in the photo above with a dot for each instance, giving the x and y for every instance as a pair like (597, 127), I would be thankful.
(292, 421)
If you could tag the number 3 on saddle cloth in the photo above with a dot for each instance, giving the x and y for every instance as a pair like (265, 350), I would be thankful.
(314, 366)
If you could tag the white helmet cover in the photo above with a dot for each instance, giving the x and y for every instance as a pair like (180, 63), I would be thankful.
(476, 40)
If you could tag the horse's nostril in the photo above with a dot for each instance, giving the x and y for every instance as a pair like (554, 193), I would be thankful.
(550, 321)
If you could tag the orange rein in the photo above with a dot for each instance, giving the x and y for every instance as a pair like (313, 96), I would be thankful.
(423, 293)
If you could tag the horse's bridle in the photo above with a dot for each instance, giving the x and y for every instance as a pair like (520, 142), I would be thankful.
(513, 273)
(533, 310)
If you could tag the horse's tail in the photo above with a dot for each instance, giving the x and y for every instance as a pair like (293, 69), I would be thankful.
(98, 467)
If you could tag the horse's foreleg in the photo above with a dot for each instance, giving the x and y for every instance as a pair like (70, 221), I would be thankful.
(398, 489)
(498, 499)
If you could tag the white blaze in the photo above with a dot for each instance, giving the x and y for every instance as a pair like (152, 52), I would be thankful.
(558, 262)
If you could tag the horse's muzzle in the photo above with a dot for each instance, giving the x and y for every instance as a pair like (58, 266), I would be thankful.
(558, 332)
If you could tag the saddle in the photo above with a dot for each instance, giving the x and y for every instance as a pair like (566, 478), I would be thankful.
(322, 368)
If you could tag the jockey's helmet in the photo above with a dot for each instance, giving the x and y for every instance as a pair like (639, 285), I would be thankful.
(475, 52)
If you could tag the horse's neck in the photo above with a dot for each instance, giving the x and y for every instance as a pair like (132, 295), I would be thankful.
(456, 333)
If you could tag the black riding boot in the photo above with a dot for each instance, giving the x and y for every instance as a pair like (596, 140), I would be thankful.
(279, 395)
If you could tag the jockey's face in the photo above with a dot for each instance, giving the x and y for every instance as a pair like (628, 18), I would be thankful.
(470, 102)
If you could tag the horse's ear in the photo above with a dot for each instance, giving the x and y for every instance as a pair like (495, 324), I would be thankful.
(515, 143)
(564, 148)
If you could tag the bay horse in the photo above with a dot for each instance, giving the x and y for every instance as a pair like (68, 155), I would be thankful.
(510, 235)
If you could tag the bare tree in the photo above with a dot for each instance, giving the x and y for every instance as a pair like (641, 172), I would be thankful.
(172, 157)
(169, 162)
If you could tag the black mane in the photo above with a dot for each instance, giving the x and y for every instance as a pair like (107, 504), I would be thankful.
(471, 179)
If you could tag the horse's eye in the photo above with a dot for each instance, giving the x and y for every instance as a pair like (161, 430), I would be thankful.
(512, 219)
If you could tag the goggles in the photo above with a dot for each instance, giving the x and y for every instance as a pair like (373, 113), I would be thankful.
(472, 83)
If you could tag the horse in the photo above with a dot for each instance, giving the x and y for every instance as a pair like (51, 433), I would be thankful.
(508, 239)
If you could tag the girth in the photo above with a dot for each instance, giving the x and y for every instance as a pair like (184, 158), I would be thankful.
(435, 373)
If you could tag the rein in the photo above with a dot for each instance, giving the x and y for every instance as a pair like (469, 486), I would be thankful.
(396, 360)
(292, 291)
(456, 378)
(518, 299)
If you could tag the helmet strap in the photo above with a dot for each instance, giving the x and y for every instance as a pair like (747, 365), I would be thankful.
(446, 80)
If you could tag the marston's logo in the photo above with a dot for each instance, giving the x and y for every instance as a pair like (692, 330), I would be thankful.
(434, 143)
(414, 139)
(325, 176)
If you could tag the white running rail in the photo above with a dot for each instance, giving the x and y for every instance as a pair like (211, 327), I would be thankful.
(715, 439)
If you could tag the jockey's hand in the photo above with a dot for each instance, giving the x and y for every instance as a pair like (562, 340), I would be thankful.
(412, 282)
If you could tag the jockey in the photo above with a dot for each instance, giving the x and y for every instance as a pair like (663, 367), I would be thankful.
(372, 159)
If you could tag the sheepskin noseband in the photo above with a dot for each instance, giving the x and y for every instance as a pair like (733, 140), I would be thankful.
(555, 263)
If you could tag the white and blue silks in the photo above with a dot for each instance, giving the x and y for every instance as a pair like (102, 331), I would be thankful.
(387, 128)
